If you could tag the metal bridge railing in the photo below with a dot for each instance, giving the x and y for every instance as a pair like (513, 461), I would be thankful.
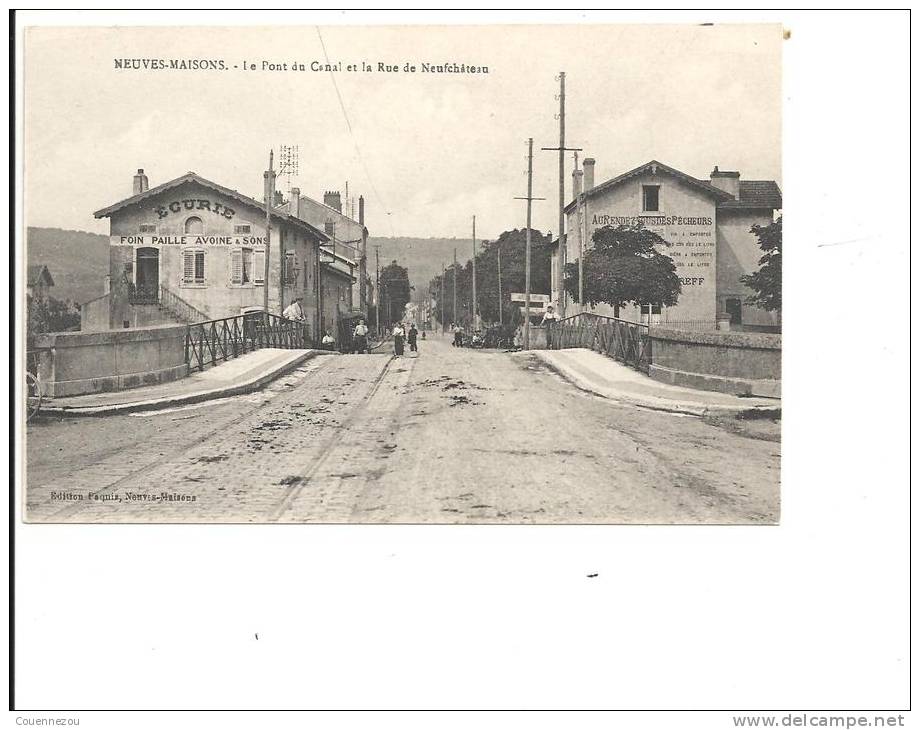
(625, 341)
(215, 340)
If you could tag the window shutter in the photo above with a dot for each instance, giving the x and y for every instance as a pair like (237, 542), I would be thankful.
(199, 267)
(236, 266)
(258, 266)
(188, 266)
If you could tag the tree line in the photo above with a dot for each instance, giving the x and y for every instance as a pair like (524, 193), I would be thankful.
(510, 246)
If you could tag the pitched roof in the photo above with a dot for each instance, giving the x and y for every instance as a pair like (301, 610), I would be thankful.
(655, 166)
(756, 194)
(190, 177)
(35, 272)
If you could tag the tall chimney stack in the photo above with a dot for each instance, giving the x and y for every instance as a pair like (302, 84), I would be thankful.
(726, 180)
(589, 173)
(140, 182)
(361, 209)
(268, 192)
(333, 199)
(576, 183)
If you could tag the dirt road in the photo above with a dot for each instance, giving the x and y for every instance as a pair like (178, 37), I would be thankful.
(449, 436)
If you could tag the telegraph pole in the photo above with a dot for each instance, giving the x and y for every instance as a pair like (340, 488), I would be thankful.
(455, 287)
(562, 149)
(377, 308)
(580, 213)
(529, 200)
(475, 300)
(441, 301)
(269, 194)
(501, 320)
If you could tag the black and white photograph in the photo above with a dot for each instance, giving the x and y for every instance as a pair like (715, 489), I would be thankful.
(452, 360)
(346, 283)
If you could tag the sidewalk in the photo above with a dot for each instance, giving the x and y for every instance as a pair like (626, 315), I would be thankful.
(604, 376)
(240, 375)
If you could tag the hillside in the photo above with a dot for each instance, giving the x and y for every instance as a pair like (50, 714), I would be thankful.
(78, 261)
(424, 257)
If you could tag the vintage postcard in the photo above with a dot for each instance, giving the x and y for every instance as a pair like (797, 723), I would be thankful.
(402, 274)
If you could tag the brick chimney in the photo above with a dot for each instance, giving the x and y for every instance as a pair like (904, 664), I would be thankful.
(333, 199)
(140, 182)
(361, 209)
(577, 175)
(295, 202)
(726, 180)
(589, 173)
(268, 188)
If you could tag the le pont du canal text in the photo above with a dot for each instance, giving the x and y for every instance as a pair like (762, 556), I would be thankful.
(219, 64)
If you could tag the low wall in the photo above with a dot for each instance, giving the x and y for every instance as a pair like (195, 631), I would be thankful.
(730, 362)
(94, 314)
(76, 363)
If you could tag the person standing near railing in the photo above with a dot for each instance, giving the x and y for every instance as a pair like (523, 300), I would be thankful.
(295, 311)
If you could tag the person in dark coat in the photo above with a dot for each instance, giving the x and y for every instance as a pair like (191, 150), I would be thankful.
(398, 340)
(413, 338)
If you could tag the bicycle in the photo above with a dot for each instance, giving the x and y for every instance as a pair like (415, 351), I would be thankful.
(33, 395)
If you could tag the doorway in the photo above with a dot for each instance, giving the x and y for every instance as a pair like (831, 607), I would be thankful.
(147, 280)
(733, 309)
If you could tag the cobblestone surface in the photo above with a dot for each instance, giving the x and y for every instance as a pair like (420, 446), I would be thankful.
(451, 436)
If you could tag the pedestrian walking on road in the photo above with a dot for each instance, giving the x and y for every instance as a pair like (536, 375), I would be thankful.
(360, 334)
(398, 339)
(413, 338)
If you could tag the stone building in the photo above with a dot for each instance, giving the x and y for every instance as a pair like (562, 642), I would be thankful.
(708, 223)
(344, 281)
(191, 250)
(38, 281)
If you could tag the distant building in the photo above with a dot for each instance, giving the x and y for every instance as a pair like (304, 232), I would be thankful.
(191, 249)
(38, 281)
(708, 223)
(343, 272)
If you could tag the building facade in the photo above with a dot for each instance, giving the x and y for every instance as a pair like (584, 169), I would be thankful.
(707, 224)
(191, 249)
(343, 257)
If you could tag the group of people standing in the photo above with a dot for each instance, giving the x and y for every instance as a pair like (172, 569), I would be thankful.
(402, 334)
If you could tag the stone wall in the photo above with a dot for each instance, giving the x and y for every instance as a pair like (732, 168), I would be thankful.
(76, 363)
(730, 362)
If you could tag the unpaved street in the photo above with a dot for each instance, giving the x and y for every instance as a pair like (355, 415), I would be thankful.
(449, 436)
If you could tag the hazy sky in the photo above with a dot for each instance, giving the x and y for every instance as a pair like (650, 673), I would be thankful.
(427, 151)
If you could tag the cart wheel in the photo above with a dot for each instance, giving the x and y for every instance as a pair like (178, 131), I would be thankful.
(33, 396)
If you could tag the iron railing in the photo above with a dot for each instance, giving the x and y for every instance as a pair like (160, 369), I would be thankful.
(210, 342)
(181, 308)
(625, 341)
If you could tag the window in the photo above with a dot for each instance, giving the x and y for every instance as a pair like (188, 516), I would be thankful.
(329, 228)
(193, 267)
(242, 229)
(147, 228)
(194, 225)
(650, 197)
(258, 267)
(241, 266)
(290, 267)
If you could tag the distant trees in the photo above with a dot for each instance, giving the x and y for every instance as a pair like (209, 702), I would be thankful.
(395, 292)
(512, 245)
(624, 267)
(767, 282)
